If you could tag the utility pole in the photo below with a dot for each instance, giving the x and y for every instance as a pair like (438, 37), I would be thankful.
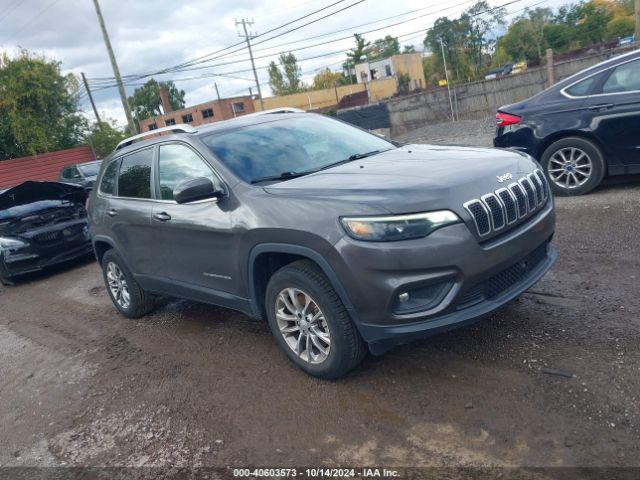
(446, 76)
(95, 110)
(247, 37)
(116, 70)
(215, 84)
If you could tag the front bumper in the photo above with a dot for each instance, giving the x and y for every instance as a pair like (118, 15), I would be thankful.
(36, 255)
(479, 277)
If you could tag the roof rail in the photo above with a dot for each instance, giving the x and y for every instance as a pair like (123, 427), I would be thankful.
(274, 110)
(178, 128)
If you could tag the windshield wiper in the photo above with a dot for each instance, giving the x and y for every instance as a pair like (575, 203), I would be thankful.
(290, 175)
(359, 156)
(355, 156)
(281, 176)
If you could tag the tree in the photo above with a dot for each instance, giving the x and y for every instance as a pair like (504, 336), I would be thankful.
(404, 82)
(145, 101)
(287, 81)
(104, 137)
(621, 27)
(525, 37)
(454, 37)
(38, 106)
(481, 24)
(356, 55)
(409, 49)
(383, 48)
(327, 79)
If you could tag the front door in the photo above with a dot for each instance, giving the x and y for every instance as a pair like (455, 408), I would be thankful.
(197, 237)
(615, 115)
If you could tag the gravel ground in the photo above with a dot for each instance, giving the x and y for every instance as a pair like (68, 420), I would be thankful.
(468, 133)
(551, 380)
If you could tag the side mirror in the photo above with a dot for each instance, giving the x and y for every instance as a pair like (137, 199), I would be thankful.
(197, 189)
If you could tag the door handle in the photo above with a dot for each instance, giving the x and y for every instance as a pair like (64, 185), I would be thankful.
(602, 106)
(112, 213)
(162, 216)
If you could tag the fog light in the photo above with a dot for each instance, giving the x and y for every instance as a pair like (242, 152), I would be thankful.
(421, 297)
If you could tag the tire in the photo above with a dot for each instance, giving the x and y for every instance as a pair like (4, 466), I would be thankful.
(346, 349)
(140, 302)
(566, 161)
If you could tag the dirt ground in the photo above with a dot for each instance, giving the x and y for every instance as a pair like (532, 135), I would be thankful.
(551, 380)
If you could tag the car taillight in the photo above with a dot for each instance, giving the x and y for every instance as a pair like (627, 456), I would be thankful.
(504, 119)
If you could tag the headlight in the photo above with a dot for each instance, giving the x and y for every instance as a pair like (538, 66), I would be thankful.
(6, 242)
(397, 227)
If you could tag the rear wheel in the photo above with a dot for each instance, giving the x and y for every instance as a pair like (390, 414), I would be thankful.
(310, 323)
(574, 166)
(127, 296)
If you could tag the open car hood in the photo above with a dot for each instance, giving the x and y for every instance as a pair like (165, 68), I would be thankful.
(30, 192)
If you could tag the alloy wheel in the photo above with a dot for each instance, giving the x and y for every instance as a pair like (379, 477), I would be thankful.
(570, 168)
(303, 325)
(118, 285)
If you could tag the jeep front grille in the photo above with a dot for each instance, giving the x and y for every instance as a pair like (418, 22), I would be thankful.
(496, 210)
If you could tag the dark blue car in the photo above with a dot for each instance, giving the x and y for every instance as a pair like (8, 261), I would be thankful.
(582, 129)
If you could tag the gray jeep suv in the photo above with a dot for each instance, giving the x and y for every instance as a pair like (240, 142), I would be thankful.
(341, 240)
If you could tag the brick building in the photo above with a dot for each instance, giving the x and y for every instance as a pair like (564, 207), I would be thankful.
(204, 113)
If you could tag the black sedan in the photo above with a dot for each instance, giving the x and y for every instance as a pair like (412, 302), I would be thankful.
(583, 128)
(41, 224)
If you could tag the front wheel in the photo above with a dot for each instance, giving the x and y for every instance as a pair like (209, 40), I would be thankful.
(310, 323)
(127, 296)
(574, 166)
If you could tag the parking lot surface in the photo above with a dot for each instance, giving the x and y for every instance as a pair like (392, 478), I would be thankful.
(551, 380)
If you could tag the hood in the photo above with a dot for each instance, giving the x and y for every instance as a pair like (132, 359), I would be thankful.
(34, 205)
(413, 178)
(31, 192)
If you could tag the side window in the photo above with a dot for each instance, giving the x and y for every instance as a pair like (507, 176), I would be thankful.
(178, 164)
(134, 180)
(582, 89)
(65, 174)
(108, 182)
(625, 78)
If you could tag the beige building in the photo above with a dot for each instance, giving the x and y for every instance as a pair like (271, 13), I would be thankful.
(407, 63)
(329, 97)
(201, 114)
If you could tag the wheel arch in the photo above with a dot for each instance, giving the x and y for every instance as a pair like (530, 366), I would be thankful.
(266, 258)
(102, 245)
(554, 137)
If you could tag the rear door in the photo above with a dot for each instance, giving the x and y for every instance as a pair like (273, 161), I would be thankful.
(615, 115)
(129, 212)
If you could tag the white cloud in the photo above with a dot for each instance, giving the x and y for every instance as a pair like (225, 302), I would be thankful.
(150, 35)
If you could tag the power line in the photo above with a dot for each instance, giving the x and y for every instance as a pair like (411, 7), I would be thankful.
(343, 38)
(416, 34)
(203, 57)
(21, 27)
(11, 8)
(359, 26)
(110, 79)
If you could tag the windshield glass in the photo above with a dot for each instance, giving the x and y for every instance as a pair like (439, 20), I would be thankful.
(90, 169)
(298, 144)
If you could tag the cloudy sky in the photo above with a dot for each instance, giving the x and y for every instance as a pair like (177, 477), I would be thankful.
(149, 36)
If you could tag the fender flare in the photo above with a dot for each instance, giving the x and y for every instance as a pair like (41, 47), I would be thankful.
(303, 252)
(112, 244)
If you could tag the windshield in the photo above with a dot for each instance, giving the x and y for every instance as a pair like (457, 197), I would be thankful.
(298, 144)
(90, 169)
